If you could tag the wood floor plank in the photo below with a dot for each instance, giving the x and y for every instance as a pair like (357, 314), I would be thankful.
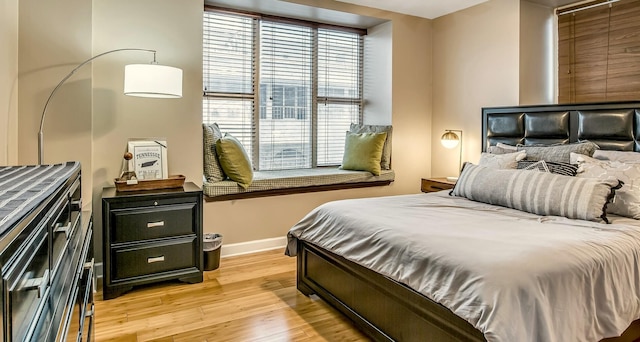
(249, 298)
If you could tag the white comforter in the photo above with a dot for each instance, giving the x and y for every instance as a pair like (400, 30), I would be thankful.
(514, 276)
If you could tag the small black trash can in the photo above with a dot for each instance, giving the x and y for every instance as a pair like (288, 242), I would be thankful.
(211, 247)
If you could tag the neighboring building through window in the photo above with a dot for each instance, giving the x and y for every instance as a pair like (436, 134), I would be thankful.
(288, 90)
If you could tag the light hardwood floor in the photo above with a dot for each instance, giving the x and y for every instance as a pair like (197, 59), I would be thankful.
(249, 298)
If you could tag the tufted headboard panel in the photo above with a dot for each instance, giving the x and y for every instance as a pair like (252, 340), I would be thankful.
(611, 125)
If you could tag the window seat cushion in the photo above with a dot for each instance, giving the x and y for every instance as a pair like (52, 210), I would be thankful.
(293, 181)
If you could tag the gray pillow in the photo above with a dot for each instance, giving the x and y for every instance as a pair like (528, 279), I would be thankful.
(551, 153)
(501, 161)
(385, 160)
(212, 169)
(537, 192)
(558, 153)
(501, 148)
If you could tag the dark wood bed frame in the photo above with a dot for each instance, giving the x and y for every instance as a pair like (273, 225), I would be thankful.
(386, 310)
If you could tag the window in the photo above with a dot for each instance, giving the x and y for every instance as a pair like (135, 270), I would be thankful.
(598, 52)
(287, 89)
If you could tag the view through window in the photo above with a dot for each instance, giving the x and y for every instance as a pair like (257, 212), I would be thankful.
(288, 90)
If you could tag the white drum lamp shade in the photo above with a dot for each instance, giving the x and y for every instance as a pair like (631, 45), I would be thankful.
(142, 80)
(152, 80)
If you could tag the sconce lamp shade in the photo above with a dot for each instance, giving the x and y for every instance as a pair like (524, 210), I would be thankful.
(152, 80)
(449, 139)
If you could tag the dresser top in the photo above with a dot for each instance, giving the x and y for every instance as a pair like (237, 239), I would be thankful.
(24, 188)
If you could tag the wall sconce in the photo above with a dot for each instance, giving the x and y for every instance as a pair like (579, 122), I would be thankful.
(142, 80)
(450, 140)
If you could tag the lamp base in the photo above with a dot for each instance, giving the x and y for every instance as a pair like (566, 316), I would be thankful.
(452, 179)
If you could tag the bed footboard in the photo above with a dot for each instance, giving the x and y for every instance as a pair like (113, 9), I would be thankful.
(382, 308)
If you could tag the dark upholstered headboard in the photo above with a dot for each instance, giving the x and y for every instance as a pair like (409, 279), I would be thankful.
(611, 125)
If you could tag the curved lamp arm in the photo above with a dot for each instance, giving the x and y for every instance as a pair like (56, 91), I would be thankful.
(44, 111)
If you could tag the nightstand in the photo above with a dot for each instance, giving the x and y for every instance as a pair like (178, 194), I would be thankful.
(436, 184)
(151, 236)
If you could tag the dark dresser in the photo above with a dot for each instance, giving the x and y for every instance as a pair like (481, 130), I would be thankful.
(46, 254)
(151, 236)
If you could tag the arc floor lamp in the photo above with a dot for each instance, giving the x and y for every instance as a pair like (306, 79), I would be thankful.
(143, 80)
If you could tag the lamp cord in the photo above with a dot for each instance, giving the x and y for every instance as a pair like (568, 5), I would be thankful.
(460, 161)
(46, 105)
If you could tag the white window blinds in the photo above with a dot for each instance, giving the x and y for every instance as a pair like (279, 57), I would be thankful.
(228, 75)
(307, 81)
(286, 74)
(339, 91)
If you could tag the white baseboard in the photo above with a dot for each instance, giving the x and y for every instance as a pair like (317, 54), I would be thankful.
(253, 246)
(235, 249)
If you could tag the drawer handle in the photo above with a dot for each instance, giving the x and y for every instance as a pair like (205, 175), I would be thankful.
(151, 260)
(76, 205)
(90, 312)
(38, 284)
(89, 264)
(155, 224)
(59, 228)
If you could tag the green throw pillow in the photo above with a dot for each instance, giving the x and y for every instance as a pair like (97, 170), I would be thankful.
(362, 152)
(234, 160)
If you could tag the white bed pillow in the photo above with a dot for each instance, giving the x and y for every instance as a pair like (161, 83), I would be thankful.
(627, 199)
(620, 156)
(501, 161)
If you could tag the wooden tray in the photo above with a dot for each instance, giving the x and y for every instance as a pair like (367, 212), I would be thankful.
(175, 181)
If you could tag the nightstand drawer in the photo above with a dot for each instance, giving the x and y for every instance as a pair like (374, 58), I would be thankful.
(152, 222)
(149, 259)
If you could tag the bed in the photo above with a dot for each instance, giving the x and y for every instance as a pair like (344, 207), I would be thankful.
(356, 271)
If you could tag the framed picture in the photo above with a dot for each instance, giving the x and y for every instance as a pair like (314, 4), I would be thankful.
(149, 159)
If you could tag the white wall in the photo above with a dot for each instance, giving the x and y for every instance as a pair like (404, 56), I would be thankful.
(9, 82)
(476, 63)
(538, 34)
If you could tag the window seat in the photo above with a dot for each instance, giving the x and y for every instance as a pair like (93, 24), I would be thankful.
(283, 182)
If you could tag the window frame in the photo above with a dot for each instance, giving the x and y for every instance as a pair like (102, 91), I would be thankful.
(255, 96)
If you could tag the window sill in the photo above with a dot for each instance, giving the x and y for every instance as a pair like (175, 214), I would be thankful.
(286, 182)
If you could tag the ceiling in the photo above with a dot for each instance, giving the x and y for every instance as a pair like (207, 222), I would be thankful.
(429, 9)
(422, 8)
(432, 9)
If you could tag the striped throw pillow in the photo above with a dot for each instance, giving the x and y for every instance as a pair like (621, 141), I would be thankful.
(565, 169)
(212, 169)
(536, 192)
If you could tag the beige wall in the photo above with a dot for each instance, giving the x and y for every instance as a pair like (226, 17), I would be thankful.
(174, 29)
(8, 81)
(538, 34)
(378, 75)
(54, 37)
(475, 64)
